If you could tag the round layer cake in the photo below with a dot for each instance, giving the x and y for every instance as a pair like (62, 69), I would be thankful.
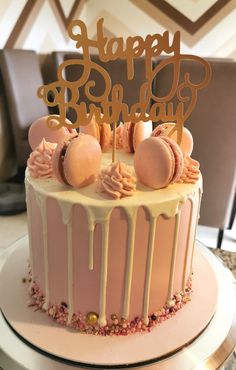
(107, 266)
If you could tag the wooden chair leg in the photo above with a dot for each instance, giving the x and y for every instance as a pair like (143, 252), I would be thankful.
(220, 238)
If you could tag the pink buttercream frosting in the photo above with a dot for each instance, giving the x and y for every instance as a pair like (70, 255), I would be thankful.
(191, 171)
(117, 180)
(40, 160)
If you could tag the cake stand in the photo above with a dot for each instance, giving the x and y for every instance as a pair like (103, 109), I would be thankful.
(208, 350)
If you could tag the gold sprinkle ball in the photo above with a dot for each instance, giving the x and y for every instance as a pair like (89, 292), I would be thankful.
(186, 299)
(170, 303)
(91, 318)
(178, 297)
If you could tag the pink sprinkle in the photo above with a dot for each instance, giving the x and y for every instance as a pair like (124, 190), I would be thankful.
(115, 327)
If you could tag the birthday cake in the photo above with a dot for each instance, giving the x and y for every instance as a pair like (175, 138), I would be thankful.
(113, 210)
(112, 256)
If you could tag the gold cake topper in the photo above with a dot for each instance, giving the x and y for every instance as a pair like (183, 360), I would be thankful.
(111, 100)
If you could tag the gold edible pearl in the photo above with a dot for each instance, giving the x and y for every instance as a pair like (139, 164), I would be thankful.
(178, 298)
(170, 303)
(91, 318)
(186, 299)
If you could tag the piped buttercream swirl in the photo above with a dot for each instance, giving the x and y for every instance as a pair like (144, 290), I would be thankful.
(40, 160)
(191, 172)
(117, 180)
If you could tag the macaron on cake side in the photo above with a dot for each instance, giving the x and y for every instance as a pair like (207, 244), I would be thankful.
(127, 137)
(158, 162)
(178, 156)
(134, 133)
(105, 136)
(101, 132)
(76, 161)
(92, 129)
(186, 144)
(142, 130)
(39, 130)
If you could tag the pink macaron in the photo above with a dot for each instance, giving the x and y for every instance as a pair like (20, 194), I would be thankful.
(186, 144)
(134, 133)
(158, 162)
(101, 132)
(39, 130)
(77, 160)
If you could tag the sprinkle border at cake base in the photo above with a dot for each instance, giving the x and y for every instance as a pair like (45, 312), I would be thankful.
(88, 323)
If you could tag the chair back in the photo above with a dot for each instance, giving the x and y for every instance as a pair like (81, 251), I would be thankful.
(21, 78)
(213, 126)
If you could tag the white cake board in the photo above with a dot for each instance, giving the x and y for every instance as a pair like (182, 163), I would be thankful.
(134, 350)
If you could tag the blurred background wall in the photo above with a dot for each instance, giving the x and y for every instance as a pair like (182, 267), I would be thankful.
(207, 26)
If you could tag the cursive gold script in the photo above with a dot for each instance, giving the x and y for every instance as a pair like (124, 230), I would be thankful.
(111, 104)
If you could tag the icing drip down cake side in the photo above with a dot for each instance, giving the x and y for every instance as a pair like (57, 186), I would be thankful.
(106, 266)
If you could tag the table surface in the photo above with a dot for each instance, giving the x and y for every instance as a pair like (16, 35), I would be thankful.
(209, 351)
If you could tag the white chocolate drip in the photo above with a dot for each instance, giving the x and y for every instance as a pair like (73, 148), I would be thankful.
(195, 232)
(42, 201)
(66, 211)
(29, 217)
(103, 278)
(70, 272)
(132, 214)
(151, 243)
(173, 258)
(91, 227)
(187, 243)
(90, 249)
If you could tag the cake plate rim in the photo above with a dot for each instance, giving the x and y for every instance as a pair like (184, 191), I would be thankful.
(122, 365)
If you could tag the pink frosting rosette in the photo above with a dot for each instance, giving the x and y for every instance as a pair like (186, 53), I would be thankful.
(191, 172)
(117, 180)
(40, 160)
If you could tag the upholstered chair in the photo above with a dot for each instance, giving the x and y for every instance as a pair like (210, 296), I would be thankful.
(213, 126)
(21, 77)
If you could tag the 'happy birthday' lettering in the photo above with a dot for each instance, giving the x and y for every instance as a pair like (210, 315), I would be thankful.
(111, 105)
